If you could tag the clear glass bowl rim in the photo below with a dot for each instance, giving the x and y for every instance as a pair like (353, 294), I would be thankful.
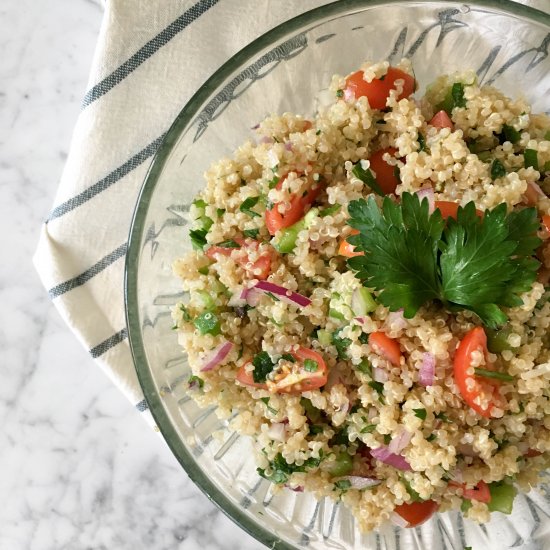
(186, 117)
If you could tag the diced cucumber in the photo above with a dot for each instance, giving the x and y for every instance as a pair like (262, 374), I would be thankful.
(324, 337)
(342, 465)
(362, 302)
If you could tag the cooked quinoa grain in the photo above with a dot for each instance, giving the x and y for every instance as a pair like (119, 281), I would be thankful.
(390, 410)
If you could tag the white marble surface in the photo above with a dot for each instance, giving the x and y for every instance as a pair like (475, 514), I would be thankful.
(79, 468)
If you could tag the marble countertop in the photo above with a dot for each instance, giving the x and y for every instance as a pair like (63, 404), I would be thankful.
(79, 468)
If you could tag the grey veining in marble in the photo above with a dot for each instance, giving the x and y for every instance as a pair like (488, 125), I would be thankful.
(79, 468)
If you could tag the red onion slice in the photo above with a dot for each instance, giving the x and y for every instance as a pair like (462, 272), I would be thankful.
(427, 370)
(427, 193)
(360, 482)
(383, 454)
(216, 358)
(288, 296)
(288, 146)
(399, 442)
(250, 296)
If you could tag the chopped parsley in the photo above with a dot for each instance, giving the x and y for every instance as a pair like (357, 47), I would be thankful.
(530, 159)
(310, 365)
(267, 406)
(343, 484)
(510, 134)
(368, 429)
(203, 270)
(195, 381)
(378, 387)
(414, 257)
(420, 413)
(288, 357)
(263, 365)
(252, 233)
(365, 367)
(341, 344)
(364, 338)
(421, 142)
(497, 170)
(457, 93)
(387, 438)
(485, 373)
(314, 429)
(229, 244)
(367, 178)
(272, 183)
(443, 417)
(339, 93)
(330, 210)
(431, 437)
(248, 204)
(185, 315)
(198, 238)
(220, 212)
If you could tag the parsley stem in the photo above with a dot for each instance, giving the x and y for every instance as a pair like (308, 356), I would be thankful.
(486, 373)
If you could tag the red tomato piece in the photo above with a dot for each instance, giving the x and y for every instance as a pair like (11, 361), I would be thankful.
(386, 174)
(386, 347)
(416, 513)
(532, 453)
(449, 209)
(441, 120)
(480, 492)
(245, 377)
(378, 90)
(275, 220)
(304, 380)
(546, 222)
(348, 250)
(480, 394)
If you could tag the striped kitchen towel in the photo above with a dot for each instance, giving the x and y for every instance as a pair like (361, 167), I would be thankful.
(150, 59)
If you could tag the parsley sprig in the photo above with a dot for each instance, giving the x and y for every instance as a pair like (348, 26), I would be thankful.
(413, 257)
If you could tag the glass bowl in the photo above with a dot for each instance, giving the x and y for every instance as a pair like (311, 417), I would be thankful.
(506, 43)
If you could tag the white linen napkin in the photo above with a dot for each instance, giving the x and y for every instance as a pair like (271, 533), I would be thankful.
(150, 59)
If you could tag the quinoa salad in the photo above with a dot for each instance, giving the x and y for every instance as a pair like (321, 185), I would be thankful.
(367, 296)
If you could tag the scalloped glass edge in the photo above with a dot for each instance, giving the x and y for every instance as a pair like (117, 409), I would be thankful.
(185, 117)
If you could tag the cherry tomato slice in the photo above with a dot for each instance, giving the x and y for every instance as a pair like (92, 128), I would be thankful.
(245, 377)
(304, 380)
(441, 120)
(386, 175)
(386, 347)
(449, 209)
(416, 513)
(546, 222)
(298, 380)
(275, 220)
(482, 395)
(378, 90)
(348, 250)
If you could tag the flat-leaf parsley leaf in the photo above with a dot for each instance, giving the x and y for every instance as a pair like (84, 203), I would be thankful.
(413, 257)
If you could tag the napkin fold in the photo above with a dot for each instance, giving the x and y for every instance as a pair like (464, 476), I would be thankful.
(150, 59)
